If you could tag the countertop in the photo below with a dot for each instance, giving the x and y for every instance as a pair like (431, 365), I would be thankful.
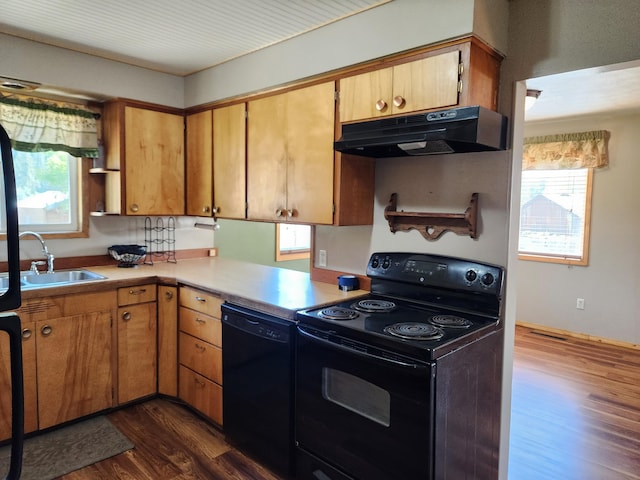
(271, 290)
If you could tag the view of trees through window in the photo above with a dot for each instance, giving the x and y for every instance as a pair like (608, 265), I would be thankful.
(46, 184)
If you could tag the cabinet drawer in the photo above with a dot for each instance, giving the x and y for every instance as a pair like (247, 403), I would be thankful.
(201, 393)
(202, 326)
(201, 301)
(137, 294)
(201, 356)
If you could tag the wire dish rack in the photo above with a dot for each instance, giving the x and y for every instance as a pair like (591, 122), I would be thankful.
(160, 240)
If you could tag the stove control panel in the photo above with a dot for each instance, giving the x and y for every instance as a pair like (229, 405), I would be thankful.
(436, 271)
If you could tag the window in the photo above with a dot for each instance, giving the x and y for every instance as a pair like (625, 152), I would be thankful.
(293, 242)
(555, 213)
(47, 190)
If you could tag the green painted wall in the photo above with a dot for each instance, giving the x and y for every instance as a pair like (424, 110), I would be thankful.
(252, 242)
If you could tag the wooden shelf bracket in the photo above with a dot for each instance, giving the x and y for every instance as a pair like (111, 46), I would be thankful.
(432, 225)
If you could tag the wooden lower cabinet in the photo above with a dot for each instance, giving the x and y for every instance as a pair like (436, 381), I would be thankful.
(200, 352)
(137, 342)
(73, 358)
(201, 393)
(68, 359)
(28, 379)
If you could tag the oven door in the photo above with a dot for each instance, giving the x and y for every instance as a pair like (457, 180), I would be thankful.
(365, 412)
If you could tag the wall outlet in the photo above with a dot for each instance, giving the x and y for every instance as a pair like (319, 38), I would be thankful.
(213, 252)
(580, 303)
(322, 258)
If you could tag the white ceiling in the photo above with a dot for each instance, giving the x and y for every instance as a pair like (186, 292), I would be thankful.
(186, 36)
(177, 37)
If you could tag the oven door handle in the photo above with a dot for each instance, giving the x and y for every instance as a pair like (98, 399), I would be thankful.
(352, 351)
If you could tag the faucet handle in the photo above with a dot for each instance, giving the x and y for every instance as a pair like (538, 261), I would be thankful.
(35, 264)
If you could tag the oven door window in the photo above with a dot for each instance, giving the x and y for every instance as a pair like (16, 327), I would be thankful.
(357, 395)
(366, 416)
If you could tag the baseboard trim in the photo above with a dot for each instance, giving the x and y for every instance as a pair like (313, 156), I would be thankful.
(581, 336)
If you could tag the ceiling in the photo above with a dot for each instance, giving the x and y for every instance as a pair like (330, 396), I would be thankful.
(188, 36)
(177, 37)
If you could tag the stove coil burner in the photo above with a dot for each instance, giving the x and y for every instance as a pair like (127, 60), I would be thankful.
(452, 321)
(375, 306)
(414, 331)
(338, 313)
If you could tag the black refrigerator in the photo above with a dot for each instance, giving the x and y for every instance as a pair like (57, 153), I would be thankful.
(9, 301)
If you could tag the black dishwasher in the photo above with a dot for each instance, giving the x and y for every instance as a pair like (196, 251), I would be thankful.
(257, 375)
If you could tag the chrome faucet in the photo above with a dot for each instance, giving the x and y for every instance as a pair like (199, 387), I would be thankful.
(45, 251)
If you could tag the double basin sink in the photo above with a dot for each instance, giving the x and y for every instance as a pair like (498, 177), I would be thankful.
(29, 279)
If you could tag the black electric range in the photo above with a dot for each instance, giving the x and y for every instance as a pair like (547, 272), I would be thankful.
(421, 306)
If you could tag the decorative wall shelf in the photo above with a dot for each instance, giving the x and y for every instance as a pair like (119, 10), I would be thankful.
(432, 225)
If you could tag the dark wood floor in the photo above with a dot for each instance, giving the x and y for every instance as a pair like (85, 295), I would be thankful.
(575, 416)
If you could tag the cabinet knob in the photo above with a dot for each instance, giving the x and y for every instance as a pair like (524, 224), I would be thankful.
(26, 333)
(206, 209)
(216, 210)
(381, 105)
(291, 213)
(134, 207)
(168, 295)
(399, 101)
(279, 212)
(126, 316)
(46, 330)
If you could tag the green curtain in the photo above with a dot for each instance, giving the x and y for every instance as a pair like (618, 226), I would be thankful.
(38, 126)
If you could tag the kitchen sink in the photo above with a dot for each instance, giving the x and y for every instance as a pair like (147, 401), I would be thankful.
(29, 279)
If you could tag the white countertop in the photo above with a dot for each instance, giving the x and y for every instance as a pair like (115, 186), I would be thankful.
(272, 290)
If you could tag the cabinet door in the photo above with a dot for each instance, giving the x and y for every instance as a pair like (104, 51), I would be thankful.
(428, 83)
(74, 367)
(28, 378)
(137, 351)
(154, 162)
(366, 95)
(310, 154)
(199, 164)
(267, 158)
(168, 340)
(229, 161)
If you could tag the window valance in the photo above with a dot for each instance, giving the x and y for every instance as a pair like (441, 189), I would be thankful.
(566, 151)
(37, 126)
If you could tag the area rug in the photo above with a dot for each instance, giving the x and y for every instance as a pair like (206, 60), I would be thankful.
(61, 451)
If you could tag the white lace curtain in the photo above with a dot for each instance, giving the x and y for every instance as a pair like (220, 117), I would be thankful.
(37, 126)
(566, 151)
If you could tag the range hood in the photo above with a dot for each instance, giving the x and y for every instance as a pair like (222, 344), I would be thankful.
(456, 130)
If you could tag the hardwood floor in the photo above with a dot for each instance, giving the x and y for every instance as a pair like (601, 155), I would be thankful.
(575, 416)
(575, 409)
(171, 443)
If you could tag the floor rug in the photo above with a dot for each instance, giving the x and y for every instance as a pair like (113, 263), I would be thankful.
(61, 451)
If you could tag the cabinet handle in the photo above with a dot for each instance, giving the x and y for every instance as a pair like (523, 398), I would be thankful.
(168, 295)
(206, 209)
(200, 347)
(134, 207)
(399, 101)
(126, 316)
(199, 383)
(381, 105)
(137, 292)
(26, 334)
(46, 330)
(200, 321)
(200, 299)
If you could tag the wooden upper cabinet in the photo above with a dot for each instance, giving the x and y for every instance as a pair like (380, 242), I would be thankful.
(461, 74)
(147, 146)
(199, 164)
(229, 161)
(290, 161)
